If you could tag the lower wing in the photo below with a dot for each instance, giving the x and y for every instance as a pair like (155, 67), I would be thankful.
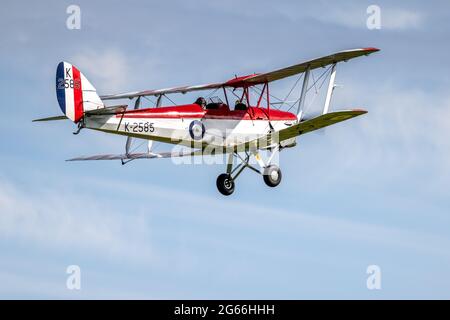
(303, 127)
(132, 156)
(319, 122)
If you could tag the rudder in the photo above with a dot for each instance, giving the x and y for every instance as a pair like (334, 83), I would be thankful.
(74, 92)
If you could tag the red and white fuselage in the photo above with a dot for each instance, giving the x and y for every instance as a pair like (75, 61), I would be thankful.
(191, 124)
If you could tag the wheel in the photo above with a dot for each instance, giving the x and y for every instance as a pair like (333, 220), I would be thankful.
(225, 184)
(272, 176)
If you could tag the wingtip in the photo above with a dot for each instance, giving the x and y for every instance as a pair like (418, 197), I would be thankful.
(371, 49)
(54, 118)
(360, 111)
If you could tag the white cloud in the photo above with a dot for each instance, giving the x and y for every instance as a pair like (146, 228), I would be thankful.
(252, 216)
(401, 19)
(355, 16)
(58, 218)
(109, 68)
(400, 126)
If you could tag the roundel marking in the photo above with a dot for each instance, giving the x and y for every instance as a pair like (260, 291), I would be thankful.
(196, 130)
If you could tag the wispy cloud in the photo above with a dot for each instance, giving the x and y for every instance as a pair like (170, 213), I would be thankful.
(61, 218)
(401, 19)
(92, 223)
(353, 15)
(411, 119)
(145, 226)
(109, 67)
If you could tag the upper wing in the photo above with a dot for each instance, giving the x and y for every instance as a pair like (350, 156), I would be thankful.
(157, 92)
(312, 64)
(252, 79)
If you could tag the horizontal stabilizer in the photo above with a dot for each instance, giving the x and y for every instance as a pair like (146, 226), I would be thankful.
(51, 118)
(107, 110)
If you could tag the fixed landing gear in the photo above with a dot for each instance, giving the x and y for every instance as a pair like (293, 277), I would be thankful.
(225, 184)
(270, 172)
(272, 175)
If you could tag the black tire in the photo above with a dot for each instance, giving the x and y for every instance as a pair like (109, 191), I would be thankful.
(272, 176)
(225, 184)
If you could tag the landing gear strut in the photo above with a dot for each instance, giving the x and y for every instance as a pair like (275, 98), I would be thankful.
(270, 172)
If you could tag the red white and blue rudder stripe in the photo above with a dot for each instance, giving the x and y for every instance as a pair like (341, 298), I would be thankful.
(74, 92)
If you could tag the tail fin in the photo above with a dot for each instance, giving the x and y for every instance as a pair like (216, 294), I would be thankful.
(75, 93)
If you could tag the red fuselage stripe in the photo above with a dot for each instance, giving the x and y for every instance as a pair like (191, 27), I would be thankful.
(190, 116)
(195, 111)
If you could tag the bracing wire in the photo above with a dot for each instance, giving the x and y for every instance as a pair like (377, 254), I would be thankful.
(317, 90)
(145, 97)
(313, 86)
(211, 93)
(170, 100)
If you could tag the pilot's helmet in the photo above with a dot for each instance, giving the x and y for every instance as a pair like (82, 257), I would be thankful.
(201, 101)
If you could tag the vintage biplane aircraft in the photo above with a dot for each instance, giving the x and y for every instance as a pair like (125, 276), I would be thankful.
(207, 127)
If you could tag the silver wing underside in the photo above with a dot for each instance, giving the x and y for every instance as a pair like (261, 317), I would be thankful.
(298, 129)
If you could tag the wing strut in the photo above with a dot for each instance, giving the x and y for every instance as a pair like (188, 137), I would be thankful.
(159, 100)
(330, 89)
(301, 102)
(130, 139)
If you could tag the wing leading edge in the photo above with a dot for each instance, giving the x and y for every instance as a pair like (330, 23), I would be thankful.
(311, 64)
(313, 124)
(158, 92)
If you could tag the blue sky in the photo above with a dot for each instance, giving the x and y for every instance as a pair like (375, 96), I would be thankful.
(373, 190)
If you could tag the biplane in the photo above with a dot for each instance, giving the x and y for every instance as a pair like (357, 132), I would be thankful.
(207, 126)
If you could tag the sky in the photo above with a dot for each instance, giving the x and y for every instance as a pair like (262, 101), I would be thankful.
(370, 191)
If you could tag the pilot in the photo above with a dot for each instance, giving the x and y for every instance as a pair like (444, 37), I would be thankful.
(239, 105)
(201, 102)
